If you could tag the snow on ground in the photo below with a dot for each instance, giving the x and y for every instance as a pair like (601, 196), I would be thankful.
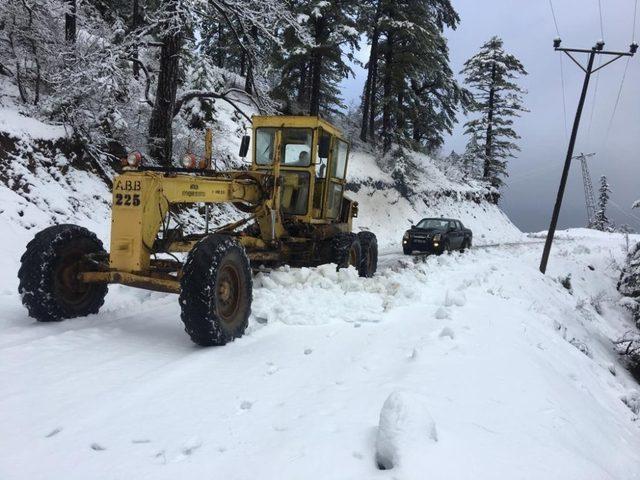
(19, 125)
(505, 373)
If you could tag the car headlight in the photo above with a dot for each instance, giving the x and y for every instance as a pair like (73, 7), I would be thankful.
(436, 237)
(405, 236)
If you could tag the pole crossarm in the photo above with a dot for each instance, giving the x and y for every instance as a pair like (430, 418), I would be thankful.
(569, 51)
(598, 49)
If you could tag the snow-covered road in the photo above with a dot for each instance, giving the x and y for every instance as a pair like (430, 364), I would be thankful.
(515, 371)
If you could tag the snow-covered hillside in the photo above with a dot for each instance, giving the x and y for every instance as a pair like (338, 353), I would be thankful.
(464, 366)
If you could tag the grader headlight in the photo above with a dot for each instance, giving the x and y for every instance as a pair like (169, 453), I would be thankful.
(189, 160)
(133, 160)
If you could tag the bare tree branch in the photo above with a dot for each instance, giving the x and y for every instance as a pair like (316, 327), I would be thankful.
(187, 96)
(147, 80)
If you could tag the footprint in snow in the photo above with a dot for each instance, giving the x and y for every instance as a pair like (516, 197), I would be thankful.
(454, 298)
(308, 351)
(442, 313)
(97, 447)
(186, 450)
(447, 332)
(191, 446)
(246, 405)
(53, 432)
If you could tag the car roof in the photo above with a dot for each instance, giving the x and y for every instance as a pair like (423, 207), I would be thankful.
(443, 219)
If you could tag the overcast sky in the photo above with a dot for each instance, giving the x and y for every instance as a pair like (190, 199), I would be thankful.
(527, 28)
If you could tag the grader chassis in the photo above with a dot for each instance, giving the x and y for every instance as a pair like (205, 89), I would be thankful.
(296, 214)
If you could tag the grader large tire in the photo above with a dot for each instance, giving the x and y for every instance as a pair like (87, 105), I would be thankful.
(216, 288)
(49, 286)
(346, 250)
(369, 260)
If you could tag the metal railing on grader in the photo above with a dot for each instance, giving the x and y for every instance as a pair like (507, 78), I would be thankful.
(295, 209)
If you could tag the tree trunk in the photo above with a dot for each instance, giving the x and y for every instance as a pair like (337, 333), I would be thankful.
(369, 87)
(136, 21)
(248, 81)
(387, 94)
(302, 86)
(400, 120)
(373, 93)
(220, 49)
(243, 63)
(70, 22)
(160, 124)
(316, 68)
(489, 136)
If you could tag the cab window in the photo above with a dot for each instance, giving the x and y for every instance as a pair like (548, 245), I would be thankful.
(265, 145)
(294, 196)
(296, 147)
(339, 163)
(334, 200)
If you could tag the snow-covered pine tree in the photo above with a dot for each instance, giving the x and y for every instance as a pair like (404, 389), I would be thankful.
(472, 158)
(601, 221)
(409, 74)
(250, 22)
(311, 70)
(492, 73)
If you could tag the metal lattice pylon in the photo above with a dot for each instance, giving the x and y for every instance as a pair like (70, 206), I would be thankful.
(589, 197)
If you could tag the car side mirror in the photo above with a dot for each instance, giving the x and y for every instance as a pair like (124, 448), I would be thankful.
(323, 147)
(244, 146)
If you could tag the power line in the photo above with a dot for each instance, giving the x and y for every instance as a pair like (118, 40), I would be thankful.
(564, 100)
(635, 12)
(601, 23)
(555, 20)
(593, 102)
(615, 105)
(629, 214)
(564, 97)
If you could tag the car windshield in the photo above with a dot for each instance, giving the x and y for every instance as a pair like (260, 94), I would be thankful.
(433, 223)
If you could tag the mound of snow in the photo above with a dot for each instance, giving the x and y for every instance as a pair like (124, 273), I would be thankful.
(405, 433)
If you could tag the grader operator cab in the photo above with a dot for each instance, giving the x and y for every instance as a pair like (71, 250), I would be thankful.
(295, 209)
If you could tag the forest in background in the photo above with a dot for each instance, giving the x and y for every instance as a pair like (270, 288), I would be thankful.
(150, 73)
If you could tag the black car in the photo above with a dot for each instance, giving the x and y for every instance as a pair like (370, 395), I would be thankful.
(437, 235)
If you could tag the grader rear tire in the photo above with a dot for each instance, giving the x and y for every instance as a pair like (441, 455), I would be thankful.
(346, 250)
(369, 261)
(216, 288)
(48, 274)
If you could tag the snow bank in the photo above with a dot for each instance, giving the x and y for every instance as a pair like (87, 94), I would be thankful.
(17, 125)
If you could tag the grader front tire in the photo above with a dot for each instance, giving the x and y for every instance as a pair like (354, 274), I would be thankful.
(48, 273)
(216, 289)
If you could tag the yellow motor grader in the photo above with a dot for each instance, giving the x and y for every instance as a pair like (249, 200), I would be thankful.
(295, 213)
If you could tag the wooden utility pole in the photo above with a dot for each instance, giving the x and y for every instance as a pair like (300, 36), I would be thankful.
(588, 71)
